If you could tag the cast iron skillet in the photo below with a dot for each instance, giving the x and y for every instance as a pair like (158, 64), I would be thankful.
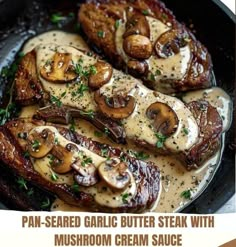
(214, 25)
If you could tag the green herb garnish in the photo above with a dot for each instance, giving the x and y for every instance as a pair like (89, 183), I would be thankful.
(139, 155)
(101, 34)
(145, 12)
(30, 192)
(35, 145)
(104, 152)
(125, 197)
(56, 101)
(97, 133)
(86, 161)
(89, 113)
(22, 183)
(46, 203)
(185, 130)
(160, 140)
(186, 194)
(117, 24)
(54, 176)
(106, 131)
(75, 187)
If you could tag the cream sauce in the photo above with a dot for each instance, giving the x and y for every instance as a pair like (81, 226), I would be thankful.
(175, 179)
(102, 193)
(171, 68)
(57, 37)
(128, 85)
(218, 98)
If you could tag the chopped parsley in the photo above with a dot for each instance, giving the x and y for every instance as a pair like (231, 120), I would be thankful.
(56, 101)
(104, 152)
(22, 183)
(35, 145)
(75, 187)
(30, 192)
(57, 18)
(186, 194)
(93, 70)
(101, 34)
(152, 77)
(97, 133)
(72, 126)
(106, 131)
(145, 11)
(82, 88)
(117, 24)
(26, 154)
(6, 113)
(54, 176)
(158, 72)
(186, 131)
(86, 161)
(56, 141)
(125, 197)
(160, 140)
(139, 155)
(89, 113)
(46, 203)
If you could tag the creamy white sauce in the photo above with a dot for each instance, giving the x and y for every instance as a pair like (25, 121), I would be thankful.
(56, 37)
(171, 68)
(175, 179)
(45, 53)
(157, 28)
(135, 124)
(102, 193)
(218, 98)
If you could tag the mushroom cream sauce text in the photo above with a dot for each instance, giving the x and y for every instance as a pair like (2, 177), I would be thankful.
(175, 179)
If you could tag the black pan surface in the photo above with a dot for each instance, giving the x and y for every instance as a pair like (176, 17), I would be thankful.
(214, 26)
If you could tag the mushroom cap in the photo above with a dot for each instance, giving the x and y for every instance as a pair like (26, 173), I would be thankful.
(170, 42)
(165, 119)
(40, 143)
(137, 46)
(116, 107)
(102, 76)
(114, 173)
(60, 69)
(86, 175)
(137, 24)
(62, 158)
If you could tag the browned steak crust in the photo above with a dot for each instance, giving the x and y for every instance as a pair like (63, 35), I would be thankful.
(102, 15)
(12, 150)
(210, 126)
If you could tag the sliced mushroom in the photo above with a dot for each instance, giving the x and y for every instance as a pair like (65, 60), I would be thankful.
(40, 143)
(87, 174)
(170, 42)
(101, 76)
(137, 24)
(137, 68)
(62, 158)
(60, 69)
(116, 107)
(137, 46)
(114, 173)
(165, 119)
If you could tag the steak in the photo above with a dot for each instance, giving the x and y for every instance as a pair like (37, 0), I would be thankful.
(101, 19)
(146, 174)
(210, 124)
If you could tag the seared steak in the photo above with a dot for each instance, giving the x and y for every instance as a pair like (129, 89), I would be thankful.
(127, 33)
(210, 124)
(13, 147)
